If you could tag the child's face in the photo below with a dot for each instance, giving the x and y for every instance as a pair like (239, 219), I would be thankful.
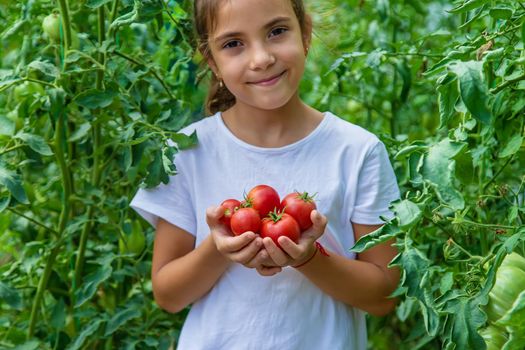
(258, 50)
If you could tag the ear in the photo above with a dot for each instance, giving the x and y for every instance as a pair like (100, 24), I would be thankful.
(307, 34)
(213, 65)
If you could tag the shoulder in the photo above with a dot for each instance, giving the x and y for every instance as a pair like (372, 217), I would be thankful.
(203, 128)
(347, 134)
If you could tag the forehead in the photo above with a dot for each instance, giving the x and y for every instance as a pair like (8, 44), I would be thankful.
(243, 15)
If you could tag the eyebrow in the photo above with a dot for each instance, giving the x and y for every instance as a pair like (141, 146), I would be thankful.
(270, 24)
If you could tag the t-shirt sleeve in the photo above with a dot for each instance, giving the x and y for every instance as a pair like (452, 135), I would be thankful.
(376, 188)
(171, 202)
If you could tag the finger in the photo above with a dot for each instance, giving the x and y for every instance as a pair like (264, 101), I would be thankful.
(275, 253)
(259, 259)
(231, 244)
(295, 251)
(319, 222)
(213, 215)
(248, 252)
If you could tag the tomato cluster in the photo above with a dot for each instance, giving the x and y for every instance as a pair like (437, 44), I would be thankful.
(263, 212)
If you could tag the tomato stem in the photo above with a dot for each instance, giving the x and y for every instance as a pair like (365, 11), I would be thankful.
(66, 25)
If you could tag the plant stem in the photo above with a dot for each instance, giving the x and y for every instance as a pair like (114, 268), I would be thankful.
(95, 175)
(64, 215)
(64, 12)
(507, 83)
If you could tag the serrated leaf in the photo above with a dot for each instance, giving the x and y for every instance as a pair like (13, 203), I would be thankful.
(36, 142)
(407, 212)
(512, 147)
(87, 331)
(94, 4)
(448, 94)
(121, 318)
(472, 88)
(10, 296)
(12, 182)
(94, 98)
(438, 169)
(414, 263)
(382, 234)
(91, 283)
(468, 318)
(45, 68)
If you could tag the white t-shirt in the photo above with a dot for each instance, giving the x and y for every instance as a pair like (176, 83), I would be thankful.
(346, 167)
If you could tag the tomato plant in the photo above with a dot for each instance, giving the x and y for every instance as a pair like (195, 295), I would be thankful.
(299, 206)
(245, 219)
(263, 198)
(278, 224)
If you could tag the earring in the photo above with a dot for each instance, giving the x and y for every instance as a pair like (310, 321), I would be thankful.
(221, 84)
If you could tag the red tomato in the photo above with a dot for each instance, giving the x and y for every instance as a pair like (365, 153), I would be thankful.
(299, 205)
(229, 206)
(264, 199)
(280, 224)
(245, 219)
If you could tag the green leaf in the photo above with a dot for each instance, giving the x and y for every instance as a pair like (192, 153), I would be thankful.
(86, 332)
(32, 344)
(468, 318)
(91, 283)
(448, 94)
(382, 234)
(407, 212)
(7, 126)
(12, 182)
(45, 68)
(501, 12)
(94, 4)
(37, 143)
(10, 296)
(414, 264)
(80, 132)
(94, 98)
(472, 88)
(514, 319)
(469, 5)
(58, 315)
(438, 169)
(121, 318)
(523, 33)
(512, 147)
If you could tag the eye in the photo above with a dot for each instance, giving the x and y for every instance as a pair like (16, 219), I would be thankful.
(278, 31)
(231, 44)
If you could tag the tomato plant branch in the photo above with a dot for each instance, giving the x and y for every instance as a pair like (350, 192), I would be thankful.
(152, 71)
(64, 12)
(64, 216)
(11, 149)
(500, 170)
(95, 175)
(30, 219)
(507, 83)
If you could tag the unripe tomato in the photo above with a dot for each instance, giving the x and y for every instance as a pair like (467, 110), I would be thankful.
(27, 89)
(494, 337)
(245, 219)
(264, 199)
(299, 206)
(510, 282)
(133, 243)
(51, 26)
(280, 224)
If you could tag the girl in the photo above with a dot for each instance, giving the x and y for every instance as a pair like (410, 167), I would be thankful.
(246, 292)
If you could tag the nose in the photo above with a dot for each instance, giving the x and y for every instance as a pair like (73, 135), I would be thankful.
(261, 57)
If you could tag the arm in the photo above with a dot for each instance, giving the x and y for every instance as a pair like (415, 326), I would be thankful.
(182, 273)
(364, 283)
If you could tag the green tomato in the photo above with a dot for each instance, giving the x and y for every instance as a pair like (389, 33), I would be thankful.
(27, 89)
(133, 243)
(13, 116)
(510, 282)
(51, 26)
(514, 259)
(494, 337)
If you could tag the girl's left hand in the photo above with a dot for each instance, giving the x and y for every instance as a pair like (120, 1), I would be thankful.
(291, 253)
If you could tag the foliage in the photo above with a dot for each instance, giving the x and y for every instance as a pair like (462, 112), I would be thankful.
(85, 119)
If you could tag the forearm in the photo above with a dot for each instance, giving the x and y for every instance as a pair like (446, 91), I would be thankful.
(357, 283)
(186, 279)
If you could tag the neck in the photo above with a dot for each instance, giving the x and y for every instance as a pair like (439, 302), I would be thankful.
(272, 128)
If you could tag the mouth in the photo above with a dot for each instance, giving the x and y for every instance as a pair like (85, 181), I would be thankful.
(268, 81)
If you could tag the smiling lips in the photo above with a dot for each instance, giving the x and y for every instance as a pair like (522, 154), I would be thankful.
(269, 81)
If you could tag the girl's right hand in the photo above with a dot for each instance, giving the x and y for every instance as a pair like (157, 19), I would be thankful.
(242, 249)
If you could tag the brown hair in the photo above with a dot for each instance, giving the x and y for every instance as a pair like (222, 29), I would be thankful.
(205, 16)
